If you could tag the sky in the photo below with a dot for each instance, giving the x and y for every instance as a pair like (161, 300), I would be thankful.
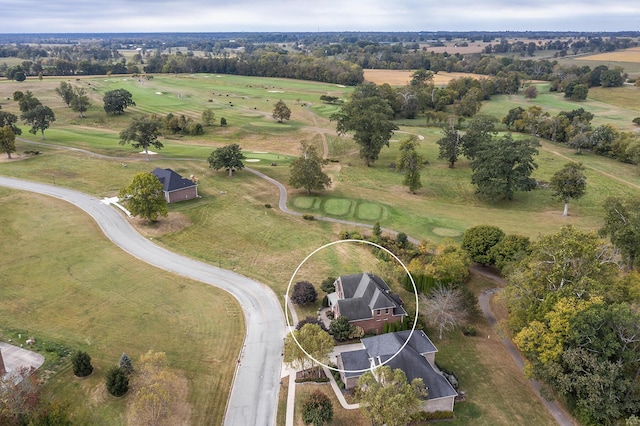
(76, 16)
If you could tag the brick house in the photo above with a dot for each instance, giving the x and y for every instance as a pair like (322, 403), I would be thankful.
(417, 360)
(176, 188)
(367, 301)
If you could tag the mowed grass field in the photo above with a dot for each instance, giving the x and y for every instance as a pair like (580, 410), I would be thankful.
(65, 284)
(231, 225)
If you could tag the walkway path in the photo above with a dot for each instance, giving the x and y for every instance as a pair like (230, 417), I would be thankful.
(484, 300)
(254, 394)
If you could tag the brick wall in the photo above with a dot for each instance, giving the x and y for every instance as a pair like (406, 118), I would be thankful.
(182, 194)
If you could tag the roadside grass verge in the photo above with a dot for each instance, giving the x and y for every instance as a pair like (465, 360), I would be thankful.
(64, 282)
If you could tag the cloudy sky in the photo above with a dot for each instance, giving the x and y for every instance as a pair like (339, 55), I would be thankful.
(59, 16)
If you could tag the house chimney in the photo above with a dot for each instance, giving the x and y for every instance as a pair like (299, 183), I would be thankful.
(3, 370)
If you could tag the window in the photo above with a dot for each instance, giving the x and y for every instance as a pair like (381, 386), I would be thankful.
(386, 311)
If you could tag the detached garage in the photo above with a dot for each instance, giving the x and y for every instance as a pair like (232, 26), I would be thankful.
(176, 188)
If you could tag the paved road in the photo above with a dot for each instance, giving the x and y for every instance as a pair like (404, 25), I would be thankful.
(254, 394)
(558, 413)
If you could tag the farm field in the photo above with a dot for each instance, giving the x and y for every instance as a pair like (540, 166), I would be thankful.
(232, 226)
(626, 55)
(402, 77)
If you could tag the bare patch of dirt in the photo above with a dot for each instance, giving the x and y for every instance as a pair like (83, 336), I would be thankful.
(174, 222)
(14, 157)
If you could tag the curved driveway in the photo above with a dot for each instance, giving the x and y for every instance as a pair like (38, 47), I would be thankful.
(254, 394)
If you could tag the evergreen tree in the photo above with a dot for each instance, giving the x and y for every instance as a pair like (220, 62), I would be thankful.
(117, 381)
(81, 362)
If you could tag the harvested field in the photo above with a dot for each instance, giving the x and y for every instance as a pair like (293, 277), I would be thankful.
(627, 55)
(402, 77)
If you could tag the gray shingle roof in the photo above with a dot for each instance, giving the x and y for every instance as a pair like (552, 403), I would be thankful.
(355, 361)
(381, 348)
(390, 343)
(364, 293)
(172, 181)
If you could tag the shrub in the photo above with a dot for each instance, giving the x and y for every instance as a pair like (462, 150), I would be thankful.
(117, 381)
(125, 363)
(469, 330)
(328, 285)
(304, 293)
(385, 327)
(81, 364)
(223, 122)
(308, 217)
(267, 206)
(636, 121)
(341, 328)
(402, 239)
(325, 301)
(423, 416)
(313, 379)
(310, 320)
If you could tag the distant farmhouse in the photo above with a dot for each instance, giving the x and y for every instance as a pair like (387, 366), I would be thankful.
(367, 301)
(417, 360)
(176, 188)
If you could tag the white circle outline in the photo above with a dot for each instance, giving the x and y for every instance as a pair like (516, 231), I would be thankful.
(286, 305)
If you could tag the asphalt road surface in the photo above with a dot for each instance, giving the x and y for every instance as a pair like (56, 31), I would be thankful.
(254, 394)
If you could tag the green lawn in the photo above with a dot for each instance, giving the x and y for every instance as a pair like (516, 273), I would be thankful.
(65, 284)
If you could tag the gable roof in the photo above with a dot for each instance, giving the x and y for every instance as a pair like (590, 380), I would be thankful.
(363, 293)
(380, 349)
(172, 181)
(390, 343)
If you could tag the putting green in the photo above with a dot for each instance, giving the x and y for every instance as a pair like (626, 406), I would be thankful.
(370, 211)
(337, 206)
(304, 202)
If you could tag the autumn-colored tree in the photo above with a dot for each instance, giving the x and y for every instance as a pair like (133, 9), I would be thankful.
(154, 387)
(317, 409)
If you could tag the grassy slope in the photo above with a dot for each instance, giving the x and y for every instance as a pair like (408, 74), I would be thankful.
(64, 282)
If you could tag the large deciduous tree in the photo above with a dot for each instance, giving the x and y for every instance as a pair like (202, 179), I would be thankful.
(306, 171)
(569, 182)
(449, 145)
(570, 263)
(144, 197)
(7, 140)
(9, 119)
(622, 226)
(386, 397)
(481, 130)
(410, 163)
(26, 101)
(369, 116)
(65, 91)
(504, 166)
(39, 118)
(80, 101)
(444, 308)
(281, 111)
(479, 240)
(315, 342)
(227, 157)
(142, 133)
(115, 101)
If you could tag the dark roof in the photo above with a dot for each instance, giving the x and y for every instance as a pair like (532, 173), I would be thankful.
(381, 348)
(364, 293)
(416, 366)
(355, 361)
(172, 181)
(390, 343)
